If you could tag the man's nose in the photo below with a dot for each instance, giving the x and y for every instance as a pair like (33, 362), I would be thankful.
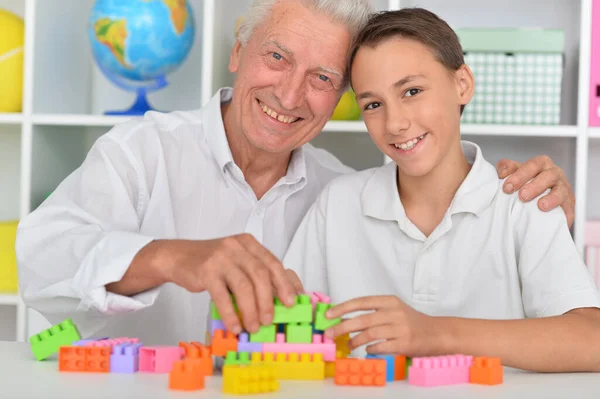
(292, 90)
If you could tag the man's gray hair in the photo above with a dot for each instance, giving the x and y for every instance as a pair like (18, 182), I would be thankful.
(352, 13)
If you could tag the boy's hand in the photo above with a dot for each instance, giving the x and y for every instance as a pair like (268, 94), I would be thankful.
(402, 329)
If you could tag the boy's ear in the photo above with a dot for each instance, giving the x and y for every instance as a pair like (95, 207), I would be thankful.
(465, 84)
(234, 59)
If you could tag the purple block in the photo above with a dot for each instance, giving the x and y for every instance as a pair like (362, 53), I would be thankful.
(245, 346)
(83, 342)
(125, 358)
(216, 325)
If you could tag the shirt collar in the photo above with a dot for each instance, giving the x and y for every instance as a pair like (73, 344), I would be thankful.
(380, 199)
(214, 130)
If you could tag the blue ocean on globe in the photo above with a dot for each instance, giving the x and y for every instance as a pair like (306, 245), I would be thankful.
(141, 40)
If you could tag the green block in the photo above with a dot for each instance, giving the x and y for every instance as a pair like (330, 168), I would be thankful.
(298, 333)
(214, 313)
(235, 358)
(264, 334)
(301, 312)
(408, 364)
(321, 322)
(50, 340)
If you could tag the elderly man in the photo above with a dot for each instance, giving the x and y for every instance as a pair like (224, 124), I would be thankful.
(168, 209)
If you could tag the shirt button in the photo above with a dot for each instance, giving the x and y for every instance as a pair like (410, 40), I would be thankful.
(259, 211)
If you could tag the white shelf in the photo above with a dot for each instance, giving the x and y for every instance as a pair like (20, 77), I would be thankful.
(9, 299)
(477, 130)
(10, 118)
(77, 120)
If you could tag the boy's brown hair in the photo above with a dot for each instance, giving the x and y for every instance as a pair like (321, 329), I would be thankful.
(417, 24)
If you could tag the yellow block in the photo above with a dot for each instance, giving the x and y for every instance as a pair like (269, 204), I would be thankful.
(341, 346)
(12, 39)
(8, 258)
(255, 378)
(292, 366)
(329, 369)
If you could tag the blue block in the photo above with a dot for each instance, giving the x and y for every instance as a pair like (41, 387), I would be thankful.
(281, 328)
(390, 367)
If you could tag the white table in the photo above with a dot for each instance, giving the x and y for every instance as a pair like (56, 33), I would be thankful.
(21, 376)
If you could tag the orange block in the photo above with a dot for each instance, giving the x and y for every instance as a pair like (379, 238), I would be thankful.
(486, 371)
(84, 358)
(199, 354)
(223, 343)
(399, 368)
(186, 375)
(357, 372)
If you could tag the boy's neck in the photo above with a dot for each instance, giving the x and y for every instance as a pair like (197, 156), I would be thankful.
(427, 198)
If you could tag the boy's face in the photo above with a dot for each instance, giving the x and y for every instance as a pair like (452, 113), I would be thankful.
(410, 102)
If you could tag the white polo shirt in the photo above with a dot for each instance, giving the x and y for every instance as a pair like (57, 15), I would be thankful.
(492, 256)
(160, 176)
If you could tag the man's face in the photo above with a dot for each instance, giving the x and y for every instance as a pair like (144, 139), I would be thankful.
(290, 76)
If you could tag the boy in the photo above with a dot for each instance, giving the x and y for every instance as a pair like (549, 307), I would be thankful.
(437, 258)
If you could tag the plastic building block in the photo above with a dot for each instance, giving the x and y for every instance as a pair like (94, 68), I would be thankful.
(408, 364)
(321, 322)
(440, 370)
(486, 371)
(199, 354)
(84, 342)
(256, 378)
(389, 365)
(50, 340)
(293, 366)
(365, 372)
(216, 325)
(298, 333)
(186, 375)
(112, 342)
(125, 358)
(214, 313)
(399, 368)
(84, 358)
(329, 369)
(245, 346)
(264, 334)
(324, 346)
(341, 345)
(239, 359)
(301, 312)
(159, 359)
(224, 342)
(316, 297)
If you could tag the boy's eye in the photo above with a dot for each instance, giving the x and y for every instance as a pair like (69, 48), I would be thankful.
(412, 92)
(372, 106)
(277, 56)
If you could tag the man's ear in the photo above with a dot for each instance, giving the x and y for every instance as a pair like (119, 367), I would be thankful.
(465, 84)
(234, 58)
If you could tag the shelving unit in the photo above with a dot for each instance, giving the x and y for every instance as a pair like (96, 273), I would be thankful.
(65, 96)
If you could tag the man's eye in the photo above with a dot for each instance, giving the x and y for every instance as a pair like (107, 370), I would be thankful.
(277, 56)
(324, 78)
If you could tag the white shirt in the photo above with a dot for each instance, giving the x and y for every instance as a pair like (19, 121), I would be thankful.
(158, 177)
(492, 256)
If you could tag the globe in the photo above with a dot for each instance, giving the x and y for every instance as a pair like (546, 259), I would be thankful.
(137, 43)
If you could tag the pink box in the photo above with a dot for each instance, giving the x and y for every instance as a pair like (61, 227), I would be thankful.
(440, 370)
(159, 359)
(594, 118)
(322, 345)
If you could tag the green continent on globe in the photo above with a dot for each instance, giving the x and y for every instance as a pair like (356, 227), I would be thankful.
(112, 33)
(179, 14)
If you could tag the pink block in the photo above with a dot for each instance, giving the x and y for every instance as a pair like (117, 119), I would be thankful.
(159, 359)
(113, 342)
(440, 370)
(594, 110)
(319, 345)
(318, 297)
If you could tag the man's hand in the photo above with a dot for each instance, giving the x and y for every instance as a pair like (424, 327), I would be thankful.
(399, 328)
(544, 174)
(238, 265)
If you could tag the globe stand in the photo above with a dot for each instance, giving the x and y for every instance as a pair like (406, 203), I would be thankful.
(141, 104)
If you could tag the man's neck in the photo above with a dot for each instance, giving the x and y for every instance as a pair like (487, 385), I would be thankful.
(427, 198)
(261, 169)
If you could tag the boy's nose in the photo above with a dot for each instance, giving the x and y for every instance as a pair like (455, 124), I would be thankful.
(397, 121)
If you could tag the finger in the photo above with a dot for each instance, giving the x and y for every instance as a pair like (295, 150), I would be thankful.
(356, 324)
(295, 280)
(220, 295)
(263, 288)
(506, 166)
(355, 305)
(523, 174)
(548, 178)
(388, 347)
(242, 288)
(569, 209)
(284, 288)
(559, 194)
(372, 334)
